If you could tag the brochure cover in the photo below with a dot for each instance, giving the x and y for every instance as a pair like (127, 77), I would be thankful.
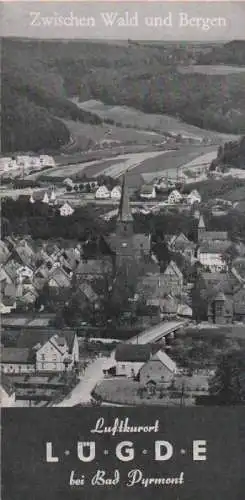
(122, 250)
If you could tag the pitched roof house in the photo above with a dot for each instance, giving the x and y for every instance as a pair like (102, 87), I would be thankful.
(93, 268)
(210, 253)
(7, 392)
(159, 369)
(4, 276)
(116, 193)
(4, 252)
(194, 197)
(24, 253)
(58, 278)
(130, 358)
(102, 193)
(172, 279)
(218, 292)
(66, 210)
(175, 197)
(148, 192)
(11, 267)
(146, 360)
(180, 243)
(37, 350)
(86, 290)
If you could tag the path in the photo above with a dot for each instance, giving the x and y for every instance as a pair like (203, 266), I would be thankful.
(81, 394)
(93, 374)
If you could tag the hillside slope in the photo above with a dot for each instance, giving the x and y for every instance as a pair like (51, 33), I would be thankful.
(232, 154)
(231, 53)
(40, 76)
(33, 100)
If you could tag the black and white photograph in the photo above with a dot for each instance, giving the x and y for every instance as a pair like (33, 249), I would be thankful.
(123, 205)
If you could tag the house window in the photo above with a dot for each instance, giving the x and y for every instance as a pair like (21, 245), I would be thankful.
(123, 367)
(219, 309)
(42, 357)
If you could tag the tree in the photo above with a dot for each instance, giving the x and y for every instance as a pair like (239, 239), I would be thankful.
(228, 383)
(230, 254)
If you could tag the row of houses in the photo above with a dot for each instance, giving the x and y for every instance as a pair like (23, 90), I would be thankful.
(175, 197)
(20, 164)
(49, 198)
(26, 268)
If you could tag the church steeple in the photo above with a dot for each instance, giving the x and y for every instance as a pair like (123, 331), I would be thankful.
(201, 228)
(124, 212)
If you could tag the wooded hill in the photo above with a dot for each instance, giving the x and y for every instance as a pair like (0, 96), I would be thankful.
(38, 78)
(232, 53)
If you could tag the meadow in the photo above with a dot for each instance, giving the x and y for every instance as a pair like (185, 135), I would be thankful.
(161, 123)
(212, 69)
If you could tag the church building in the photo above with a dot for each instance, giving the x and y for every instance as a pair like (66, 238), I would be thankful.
(124, 243)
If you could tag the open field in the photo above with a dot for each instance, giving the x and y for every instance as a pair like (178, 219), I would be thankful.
(204, 160)
(212, 69)
(84, 133)
(152, 163)
(71, 170)
(163, 124)
(130, 162)
(125, 391)
(170, 162)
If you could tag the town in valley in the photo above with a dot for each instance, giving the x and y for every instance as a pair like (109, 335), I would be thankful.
(122, 252)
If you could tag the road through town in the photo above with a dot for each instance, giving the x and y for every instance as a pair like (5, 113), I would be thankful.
(81, 394)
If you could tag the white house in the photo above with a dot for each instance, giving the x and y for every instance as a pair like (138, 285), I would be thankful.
(116, 193)
(7, 392)
(47, 161)
(193, 197)
(53, 199)
(174, 197)
(130, 358)
(211, 258)
(7, 305)
(35, 162)
(45, 198)
(59, 353)
(159, 369)
(4, 164)
(102, 193)
(68, 182)
(148, 192)
(43, 352)
(66, 210)
(24, 272)
(59, 278)
(12, 165)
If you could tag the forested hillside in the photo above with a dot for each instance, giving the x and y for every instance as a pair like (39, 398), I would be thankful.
(33, 100)
(39, 77)
(231, 53)
(231, 154)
